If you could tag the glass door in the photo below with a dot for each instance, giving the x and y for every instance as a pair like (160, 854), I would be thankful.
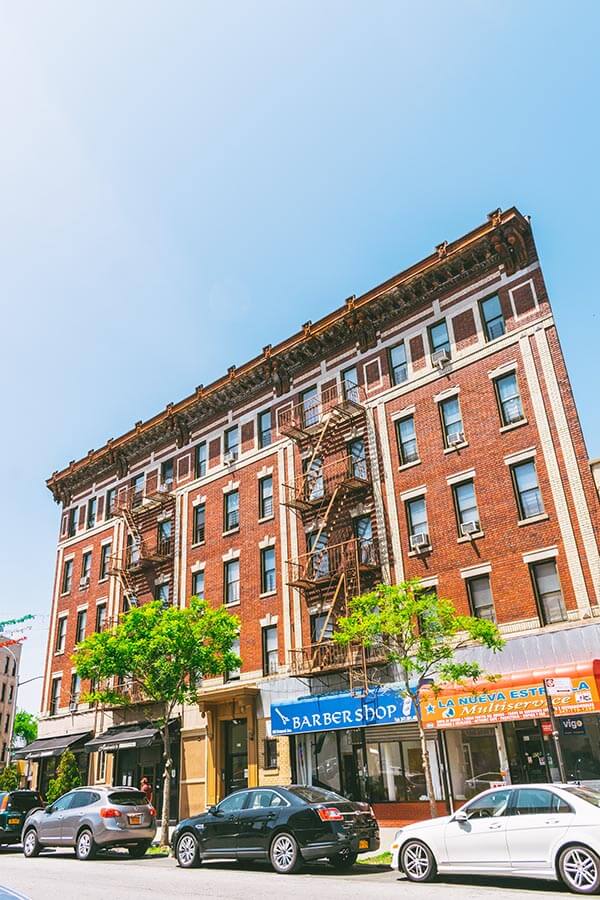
(235, 747)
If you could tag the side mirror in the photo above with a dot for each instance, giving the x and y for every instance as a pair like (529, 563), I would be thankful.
(48, 810)
(213, 810)
(461, 816)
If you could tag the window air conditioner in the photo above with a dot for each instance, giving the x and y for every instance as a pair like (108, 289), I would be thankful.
(440, 358)
(457, 437)
(229, 457)
(84, 582)
(514, 415)
(419, 541)
(468, 528)
(73, 704)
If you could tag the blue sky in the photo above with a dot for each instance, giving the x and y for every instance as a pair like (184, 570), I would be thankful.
(185, 182)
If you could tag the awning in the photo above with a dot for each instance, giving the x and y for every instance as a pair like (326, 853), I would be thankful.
(52, 746)
(126, 737)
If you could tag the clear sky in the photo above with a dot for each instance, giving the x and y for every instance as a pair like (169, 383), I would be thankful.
(182, 183)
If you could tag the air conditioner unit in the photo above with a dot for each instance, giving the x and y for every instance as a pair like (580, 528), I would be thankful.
(84, 582)
(419, 541)
(440, 358)
(73, 704)
(229, 457)
(457, 437)
(163, 487)
(468, 528)
(514, 415)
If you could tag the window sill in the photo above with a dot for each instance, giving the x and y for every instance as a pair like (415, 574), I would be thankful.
(467, 538)
(198, 544)
(59, 652)
(273, 769)
(267, 518)
(268, 594)
(65, 593)
(422, 552)
(513, 425)
(409, 465)
(103, 580)
(533, 519)
(234, 603)
(235, 530)
(456, 447)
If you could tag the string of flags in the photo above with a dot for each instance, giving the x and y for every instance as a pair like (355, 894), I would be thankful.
(12, 630)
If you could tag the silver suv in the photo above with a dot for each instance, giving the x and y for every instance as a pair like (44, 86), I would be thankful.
(91, 819)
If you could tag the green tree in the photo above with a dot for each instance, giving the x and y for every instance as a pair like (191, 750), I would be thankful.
(164, 653)
(67, 777)
(9, 778)
(25, 726)
(421, 633)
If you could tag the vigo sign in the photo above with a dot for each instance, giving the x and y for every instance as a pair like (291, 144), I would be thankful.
(334, 711)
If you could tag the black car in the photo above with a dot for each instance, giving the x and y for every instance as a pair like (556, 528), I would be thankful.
(15, 806)
(286, 825)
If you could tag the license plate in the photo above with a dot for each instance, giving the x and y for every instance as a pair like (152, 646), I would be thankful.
(135, 820)
(14, 821)
(363, 845)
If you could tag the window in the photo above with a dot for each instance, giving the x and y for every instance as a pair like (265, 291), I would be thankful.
(438, 337)
(265, 497)
(199, 523)
(363, 532)
(111, 499)
(86, 566)
(75, 690)
(358, 459)
(100, 617)
(3, 692)
(321, 627)
(163, 536)
(319, 562)
(350, 384)
(547, 592)
(491, 805)
(264, 429)
(398, 364)
(162, 592)
(232, 443)
(465, 505)
(538, 802)
(100, 767)
(480, 597)
(270, 754)
(407, 440)
(72, 527)
(416, 517)
(527, 489)
(310, 406)
(234, 675)
(105, 552)
(231, 511)
(67, 576)
(91, 512)
(493, 318)
(61, 635)
(201, 458)
(166, 473)
(137, 487)
(264, 800)
(452, 425)
(55, 695)
(270, 651)
(198, 584)
(267, 570)
(509, 399)
(81, 626)
(314, 483)
(233, 803)
(231, 581)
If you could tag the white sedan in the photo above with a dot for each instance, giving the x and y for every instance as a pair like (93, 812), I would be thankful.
(527, 830)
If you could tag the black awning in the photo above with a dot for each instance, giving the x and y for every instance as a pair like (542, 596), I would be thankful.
(52, 746)
(125, 737)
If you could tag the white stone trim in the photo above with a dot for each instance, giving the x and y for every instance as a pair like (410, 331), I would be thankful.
(267, 541)
(230, 486)
(198, 567)
(505, 369)
(460, 476)
(536, 302)
(447, 394)
(540, 555)
(429, 582)
(293, 611)
(414, 492)
(198, 501)
(403, 413)
(520, 456)
(231, 554)
(265, 471)
(268, 620)
(475, 571)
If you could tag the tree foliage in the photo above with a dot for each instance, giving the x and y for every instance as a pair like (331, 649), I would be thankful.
(67, 777)
(9, 778)
(25, 726)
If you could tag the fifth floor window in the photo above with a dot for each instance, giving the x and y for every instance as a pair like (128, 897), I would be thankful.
(264, 429)
(61, 635)
(438, 337)
(398, 363)
(493, 318)
(407, 440)
(201, 460)
(551, 604)
(232, 443)
(91, 512)
(67, 576)
(452, 423)
(509, 399)
(527, 490)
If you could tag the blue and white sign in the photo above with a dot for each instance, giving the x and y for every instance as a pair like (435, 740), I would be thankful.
(328, 712)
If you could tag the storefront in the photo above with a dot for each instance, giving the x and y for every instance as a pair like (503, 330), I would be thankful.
(231, 731)
(46, 753)
(502, 732)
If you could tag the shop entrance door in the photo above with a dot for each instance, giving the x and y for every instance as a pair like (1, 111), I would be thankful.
(235, 748)
(533, 754)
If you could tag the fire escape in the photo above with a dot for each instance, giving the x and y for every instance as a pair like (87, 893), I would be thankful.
(341, 562)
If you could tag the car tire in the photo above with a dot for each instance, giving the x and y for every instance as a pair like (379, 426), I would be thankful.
(31, 844)
(186, 851)
(284, 853)
(139, 850)
(579, 869)
(85, 848)
(343, 861)
(417, 862)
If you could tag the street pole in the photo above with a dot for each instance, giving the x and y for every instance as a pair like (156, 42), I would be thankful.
(555, 735)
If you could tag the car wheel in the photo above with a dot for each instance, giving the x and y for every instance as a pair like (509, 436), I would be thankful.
(139, 850)
(579, 868)
(31, 845)
(417, 862)
(284, 854)
(342, 861)
(85, 848)
(187, 851)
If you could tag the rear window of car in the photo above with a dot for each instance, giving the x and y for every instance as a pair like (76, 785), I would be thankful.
(127, 798)
(23, 801)
(588, 794)
(314, 794)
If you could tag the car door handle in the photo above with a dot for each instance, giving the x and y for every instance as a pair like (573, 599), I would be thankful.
(551, 821)
(495, 827)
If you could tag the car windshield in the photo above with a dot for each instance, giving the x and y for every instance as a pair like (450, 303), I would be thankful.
(314, 794)
(583, 793)
(23, 801)
(127, 798)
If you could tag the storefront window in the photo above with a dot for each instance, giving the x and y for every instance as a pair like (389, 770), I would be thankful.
(580, 742)
(474, 761)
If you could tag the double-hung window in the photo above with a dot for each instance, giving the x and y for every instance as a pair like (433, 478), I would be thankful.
(67, 578)
(358, 459)
(265, 436)
(166, 473)
(265, 497)
(350, 384)
(162, 593)
(232, 443)
(199, 523)
(75, 690)
(527, 490)
(231, 511)
(61, 635)
(493, 318)
(105, 552)
(452, 424)
(86, 568)
(267, 570)
(81, 626)
(198, 584)
(137, 487)
(314, 482)
(416, 518)
(91, 512)
(270, 650)
(310, 407)
(398, 363)
(465, 504)
(407, 440)
(109, 506)
(72, 526)
(163, 537)
(480, 597)
(509, 399)
(438, 339)
(55, 696)
(234, 674)
(231, 581)
(200, 466)
(548, 594)
(319, 561)
(321, 627)
(100, 617)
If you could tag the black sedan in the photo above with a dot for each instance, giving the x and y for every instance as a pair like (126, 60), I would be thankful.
(286, 825)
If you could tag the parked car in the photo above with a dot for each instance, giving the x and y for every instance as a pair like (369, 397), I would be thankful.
(91, 819)
(529, 830)
(285, 825)
(14, 806)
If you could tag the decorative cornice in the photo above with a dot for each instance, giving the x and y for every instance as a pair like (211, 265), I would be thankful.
(505, 239)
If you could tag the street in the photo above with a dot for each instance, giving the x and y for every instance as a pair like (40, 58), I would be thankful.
(59, 876)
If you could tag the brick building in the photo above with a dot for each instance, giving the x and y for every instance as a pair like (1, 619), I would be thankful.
(10, 656)
(426, 429)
